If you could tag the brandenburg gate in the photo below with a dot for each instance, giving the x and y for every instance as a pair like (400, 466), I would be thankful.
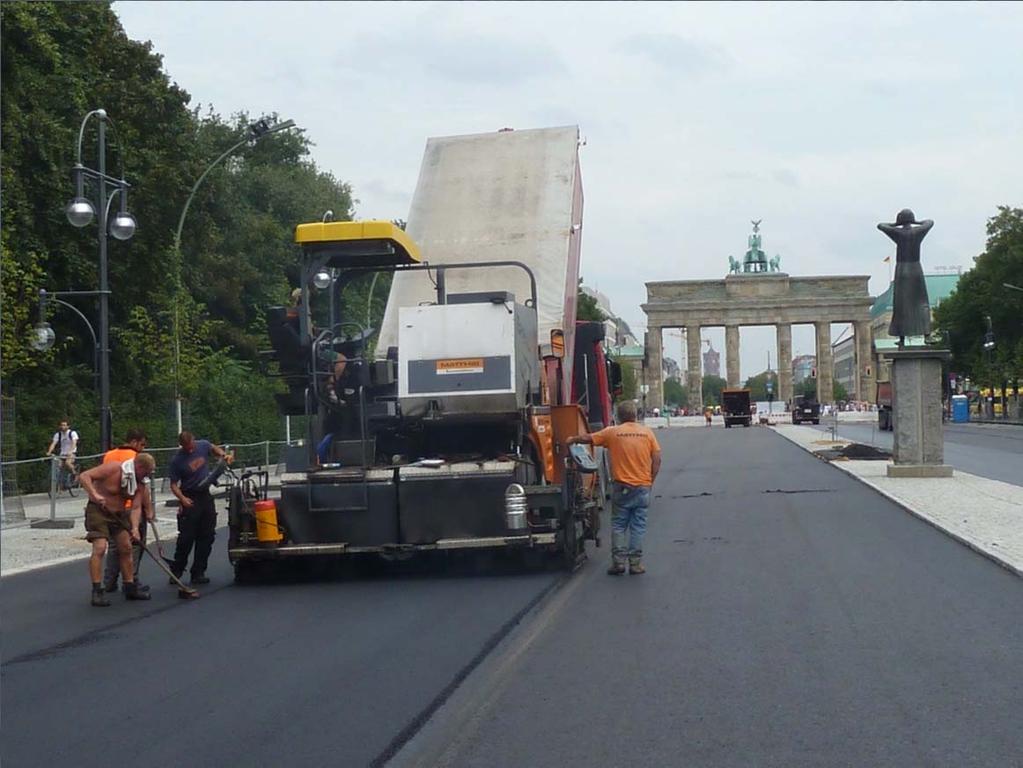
(756, 292)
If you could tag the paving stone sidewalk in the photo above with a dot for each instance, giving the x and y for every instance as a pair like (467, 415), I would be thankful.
(985, 515)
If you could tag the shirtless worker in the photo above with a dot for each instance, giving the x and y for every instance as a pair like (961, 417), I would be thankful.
(635, 462)
(109, 486)
(134, 444)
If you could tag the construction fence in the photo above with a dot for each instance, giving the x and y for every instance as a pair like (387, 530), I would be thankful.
(44, 474)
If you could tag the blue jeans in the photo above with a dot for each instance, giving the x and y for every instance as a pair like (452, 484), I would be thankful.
(628, 521)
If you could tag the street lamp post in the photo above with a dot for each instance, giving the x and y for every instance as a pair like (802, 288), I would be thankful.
(254, 133)
(989, 345)
(80, 212)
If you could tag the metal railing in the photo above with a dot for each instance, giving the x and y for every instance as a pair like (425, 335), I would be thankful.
(259, 455)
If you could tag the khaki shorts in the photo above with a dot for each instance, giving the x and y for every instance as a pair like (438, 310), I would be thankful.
(103, 524)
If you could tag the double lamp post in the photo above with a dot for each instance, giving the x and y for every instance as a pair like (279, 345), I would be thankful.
(80, 212)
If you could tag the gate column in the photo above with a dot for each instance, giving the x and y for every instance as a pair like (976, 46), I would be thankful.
(865, 373)
(784, 334)
(732, 354)
(694, 375)
(653, 369)
(825, 364)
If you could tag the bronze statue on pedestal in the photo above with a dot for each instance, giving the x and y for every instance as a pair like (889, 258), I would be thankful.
(911, 309)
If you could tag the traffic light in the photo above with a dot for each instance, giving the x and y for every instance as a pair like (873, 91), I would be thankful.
(813, 372)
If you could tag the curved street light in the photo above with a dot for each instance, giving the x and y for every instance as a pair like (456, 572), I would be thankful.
(254, 133)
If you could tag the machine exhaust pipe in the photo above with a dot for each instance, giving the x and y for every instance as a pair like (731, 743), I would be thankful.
(515, 507)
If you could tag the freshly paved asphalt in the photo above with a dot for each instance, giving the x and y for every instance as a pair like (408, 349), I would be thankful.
(821, 627)
(816, 626)
(994, 451)
(319, 672)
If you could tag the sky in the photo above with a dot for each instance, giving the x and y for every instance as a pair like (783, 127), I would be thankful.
(819, 119)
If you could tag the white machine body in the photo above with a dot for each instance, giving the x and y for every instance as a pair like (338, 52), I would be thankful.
(467, 359)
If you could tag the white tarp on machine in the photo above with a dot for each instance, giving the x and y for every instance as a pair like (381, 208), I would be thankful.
(510, 195)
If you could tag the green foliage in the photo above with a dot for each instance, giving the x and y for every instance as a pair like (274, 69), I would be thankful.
(237, 256)
(675, 393)
(807, 388)
(586, 308)
(630, 381)
(980, 293)
(712, 386)
(757, 386)
(838, 392)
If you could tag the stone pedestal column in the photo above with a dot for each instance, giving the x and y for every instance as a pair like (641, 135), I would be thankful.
(694, 375)
(825, 364)
(732, 354)
(866, 388)
(654, 370)
(784, 334)
(919, 449)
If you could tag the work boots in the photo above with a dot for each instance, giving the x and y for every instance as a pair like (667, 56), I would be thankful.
(617, 554)
(133, 592)
(636, 562)
(99, 598)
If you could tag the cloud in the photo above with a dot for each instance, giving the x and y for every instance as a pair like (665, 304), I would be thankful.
(677, 54)
(457, 58)
(786, 177)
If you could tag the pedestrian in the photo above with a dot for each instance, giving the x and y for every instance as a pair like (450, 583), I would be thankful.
(707, 418)
(635, 462)
(134, 444)
(67, 440)
(107, 518)
(197, 516)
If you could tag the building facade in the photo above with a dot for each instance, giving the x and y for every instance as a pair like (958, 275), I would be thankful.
(939, 287)
(711, 361)
(802, 367)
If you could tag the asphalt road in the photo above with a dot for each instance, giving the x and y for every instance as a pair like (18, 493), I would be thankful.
(318, 672)
(791, 617)
(994, 451)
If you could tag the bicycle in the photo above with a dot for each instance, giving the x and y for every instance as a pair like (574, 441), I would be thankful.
(67, 479)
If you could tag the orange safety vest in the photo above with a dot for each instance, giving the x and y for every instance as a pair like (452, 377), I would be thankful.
(120, 455)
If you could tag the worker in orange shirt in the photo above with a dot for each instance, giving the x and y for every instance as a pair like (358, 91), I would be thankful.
(635, 461)
(134, 443)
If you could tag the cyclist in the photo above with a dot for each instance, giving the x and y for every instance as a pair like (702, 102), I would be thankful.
(67, 440)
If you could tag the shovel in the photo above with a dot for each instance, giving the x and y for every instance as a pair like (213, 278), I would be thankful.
(162, 561)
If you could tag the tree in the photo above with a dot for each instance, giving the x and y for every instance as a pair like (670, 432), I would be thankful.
(807, 388)
(838, 392)
(675, 393)
(238, 257)
(586, 307)
(981, 293)
(712, 386)
(757, 385)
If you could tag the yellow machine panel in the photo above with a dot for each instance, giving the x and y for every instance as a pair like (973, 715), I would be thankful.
(350, 240)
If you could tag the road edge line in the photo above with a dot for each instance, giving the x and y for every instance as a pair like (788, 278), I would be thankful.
(992, 556)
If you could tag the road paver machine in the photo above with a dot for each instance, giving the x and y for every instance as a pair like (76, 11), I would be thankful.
(446, 428)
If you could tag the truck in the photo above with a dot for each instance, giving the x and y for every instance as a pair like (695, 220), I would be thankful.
(736, 407)
(445, 429)
(805, 408)
(884, 406)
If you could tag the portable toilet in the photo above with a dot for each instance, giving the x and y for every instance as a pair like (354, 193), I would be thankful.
(960, 409)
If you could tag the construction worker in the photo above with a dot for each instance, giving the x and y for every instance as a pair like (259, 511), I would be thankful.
(134, 443)
(635, 461)
(197, 516)
(107, 518)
